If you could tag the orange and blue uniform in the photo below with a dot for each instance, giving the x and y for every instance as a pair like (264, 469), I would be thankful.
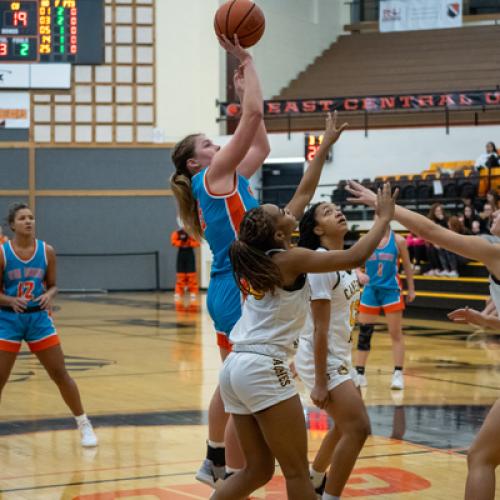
(383, 291)
(26, 278)
(220, 217)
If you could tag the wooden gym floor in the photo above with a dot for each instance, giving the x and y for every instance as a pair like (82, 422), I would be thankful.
(146, 372)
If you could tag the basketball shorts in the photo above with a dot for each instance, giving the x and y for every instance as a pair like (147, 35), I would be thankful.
(224, 307)
(251, 382)
(36, 329)
(374, 300)
(337, 371)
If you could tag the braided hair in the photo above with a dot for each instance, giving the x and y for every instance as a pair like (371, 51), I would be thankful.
(254, 270)
(308, 238)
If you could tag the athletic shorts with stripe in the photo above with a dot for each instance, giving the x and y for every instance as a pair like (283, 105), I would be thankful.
(224, 306)
(375, 299)
(36, 329)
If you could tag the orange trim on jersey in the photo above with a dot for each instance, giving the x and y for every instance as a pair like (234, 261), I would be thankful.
(400, 306)
(223, 341)
(46, 343)
(9, 346)
(369, 309)
(236, 210)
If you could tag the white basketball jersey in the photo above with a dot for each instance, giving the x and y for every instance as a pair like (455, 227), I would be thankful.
(277, 319)
(343, 291)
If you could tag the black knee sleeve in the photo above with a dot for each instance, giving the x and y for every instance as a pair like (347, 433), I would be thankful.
(365, 337)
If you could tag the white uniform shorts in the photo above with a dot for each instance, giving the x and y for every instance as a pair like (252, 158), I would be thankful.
(251, 382)
(337, 371)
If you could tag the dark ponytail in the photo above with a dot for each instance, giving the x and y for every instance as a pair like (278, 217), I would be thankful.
(254, 270)
(308, 238)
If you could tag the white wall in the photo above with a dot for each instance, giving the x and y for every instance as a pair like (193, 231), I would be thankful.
(187, 67)
(297, 31)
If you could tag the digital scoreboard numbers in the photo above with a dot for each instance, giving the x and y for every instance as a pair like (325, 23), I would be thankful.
(51, 31)
(312, 144)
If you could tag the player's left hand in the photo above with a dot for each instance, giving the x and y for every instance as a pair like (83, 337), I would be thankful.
(234, 48)
(44, 301)
(320, 396)
(411, 296)
(332, 131)
(466, 315)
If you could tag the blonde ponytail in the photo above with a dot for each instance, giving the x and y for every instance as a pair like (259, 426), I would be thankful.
(181, 186)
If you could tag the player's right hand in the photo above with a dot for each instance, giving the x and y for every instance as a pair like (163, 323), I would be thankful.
(386, 202)
(320, 396)
(234, 48)
(19, 304)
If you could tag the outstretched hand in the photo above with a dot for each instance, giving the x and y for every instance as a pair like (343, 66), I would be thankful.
(332, 131)
(466, 315)
(386, 202)
(360, 194)
(234, 48)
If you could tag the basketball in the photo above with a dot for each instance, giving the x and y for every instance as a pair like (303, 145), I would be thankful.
(243, 18)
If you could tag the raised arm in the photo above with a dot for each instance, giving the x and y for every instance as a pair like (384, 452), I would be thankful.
(227, 160)
(473, 247)
(310, 180)
(302, 260)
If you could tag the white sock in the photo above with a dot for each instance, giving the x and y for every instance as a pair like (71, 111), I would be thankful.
(231, 470)
(326, 496)
(215, 444)
(316, 477)
(81, 419)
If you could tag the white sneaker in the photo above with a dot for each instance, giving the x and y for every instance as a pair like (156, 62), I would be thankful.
(432, 272)
(362, 381)
(210, 474)
(398, 383)
(453, 274)
(89, 439)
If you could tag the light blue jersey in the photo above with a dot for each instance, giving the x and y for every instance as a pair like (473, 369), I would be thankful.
(382, 266)
(25, 278)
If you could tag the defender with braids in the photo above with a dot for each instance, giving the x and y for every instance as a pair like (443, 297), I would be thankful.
(324, 360)
(256, 384)
(213, 194)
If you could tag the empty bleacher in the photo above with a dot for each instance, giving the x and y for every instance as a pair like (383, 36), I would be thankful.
(403, 63)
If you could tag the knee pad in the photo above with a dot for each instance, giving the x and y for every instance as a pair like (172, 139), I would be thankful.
(365, 337)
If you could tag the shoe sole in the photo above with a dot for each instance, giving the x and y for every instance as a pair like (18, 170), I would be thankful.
(205, 479)
(396, 388)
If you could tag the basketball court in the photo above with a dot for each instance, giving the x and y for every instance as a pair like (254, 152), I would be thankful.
(146, 376)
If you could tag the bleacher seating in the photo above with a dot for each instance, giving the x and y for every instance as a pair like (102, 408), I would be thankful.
(401, 63)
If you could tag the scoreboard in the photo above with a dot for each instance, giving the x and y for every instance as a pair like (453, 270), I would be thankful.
(52, 31)
(312, 144)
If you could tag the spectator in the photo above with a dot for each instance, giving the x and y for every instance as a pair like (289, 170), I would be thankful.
(489, 158)
(493, 199)
(485, 218)
(436, 214)
(476, 227)
(450, 261)
(186, 264)
(418, 253)
(469, 216)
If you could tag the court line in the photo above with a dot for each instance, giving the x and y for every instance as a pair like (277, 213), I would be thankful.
(157, 476)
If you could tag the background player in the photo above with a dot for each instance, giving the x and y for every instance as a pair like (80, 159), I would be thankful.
(256, 383)
(382, 291)
(28, 284)
(323, 359)
(186, 277)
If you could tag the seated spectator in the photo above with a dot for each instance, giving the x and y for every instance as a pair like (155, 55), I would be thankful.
(436, 254)
(489, 158)
(468, 217)
(476, 227)
(450, 261)
(493, 199)
(418, 252)
(485, 218)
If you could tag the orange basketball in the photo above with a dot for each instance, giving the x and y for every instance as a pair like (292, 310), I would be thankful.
(243, 18)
